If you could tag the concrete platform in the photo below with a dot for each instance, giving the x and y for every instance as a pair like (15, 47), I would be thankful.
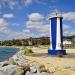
(55, 52)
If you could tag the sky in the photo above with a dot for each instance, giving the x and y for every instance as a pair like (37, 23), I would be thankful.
(29, 18)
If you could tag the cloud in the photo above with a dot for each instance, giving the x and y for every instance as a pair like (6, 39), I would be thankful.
(14, 24)
(9, 15)
(2, 22)
(5, 30)
(35, 17)
(42, 26)
(18, 35)
(9, 34)
(69, 33)
(66, 27)
(15, 3)
(26, 30)
(66, 30)
(36, 22)
(41, 2)
(12, 4)
(70, 16)
(27, 2)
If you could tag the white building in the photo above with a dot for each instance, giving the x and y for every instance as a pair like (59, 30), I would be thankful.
(67, 41)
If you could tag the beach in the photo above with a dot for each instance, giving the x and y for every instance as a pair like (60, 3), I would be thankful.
(56, 65)
(39, 63)
(18, 65)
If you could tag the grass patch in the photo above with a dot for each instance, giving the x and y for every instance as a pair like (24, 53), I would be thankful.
(28, 51)
(60, 55)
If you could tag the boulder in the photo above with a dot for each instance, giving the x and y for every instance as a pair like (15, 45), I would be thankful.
(42, 68)
(28, 73)
(19, 71)
(11, 61)
(2, 72)
(26, 68)
(52, 69)
(4, 63)
(8, 70)
(33, 70)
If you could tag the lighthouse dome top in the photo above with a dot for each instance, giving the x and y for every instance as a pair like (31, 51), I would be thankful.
(55, 14)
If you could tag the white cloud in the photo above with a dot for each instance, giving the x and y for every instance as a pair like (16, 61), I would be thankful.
(70, 16)
(69, 33)
(12, 4)
(10, 34)
(14, 24)
(18, 35)
(35, 17)
(36, 22)
(66, 27)
(42, 27)
(2, 22)
(15, 3)
(26, 30)
(5, 30)
(28, 2)
(9, 15)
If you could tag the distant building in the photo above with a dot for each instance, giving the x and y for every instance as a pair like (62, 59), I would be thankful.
(67, 41)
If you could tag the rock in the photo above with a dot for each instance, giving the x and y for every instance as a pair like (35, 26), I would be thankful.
(18, 58)
(52, 69)
(3, 63)
(26, 68)
(19, 71)
(13, 73)
(42, 68)
(33, 70)
(11, 61)
(28, 73)
(2, 72)
(8, 70)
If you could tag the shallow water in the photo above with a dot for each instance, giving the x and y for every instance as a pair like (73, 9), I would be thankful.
(6, 52)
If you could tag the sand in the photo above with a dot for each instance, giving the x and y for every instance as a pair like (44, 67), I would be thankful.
(56, 65)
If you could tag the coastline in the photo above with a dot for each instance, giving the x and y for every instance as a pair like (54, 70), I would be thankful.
(16, 49)
(14, 56)
(19, 64)
(50, 65)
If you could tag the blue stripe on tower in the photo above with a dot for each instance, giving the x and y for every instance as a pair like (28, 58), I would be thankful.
(61, 33)
(53, 32)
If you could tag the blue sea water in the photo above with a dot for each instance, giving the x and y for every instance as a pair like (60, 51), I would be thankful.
(6, 52)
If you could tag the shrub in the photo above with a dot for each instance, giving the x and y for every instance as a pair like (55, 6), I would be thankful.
(28, 51)
(60, 55)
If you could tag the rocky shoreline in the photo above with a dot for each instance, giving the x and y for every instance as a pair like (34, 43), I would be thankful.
(17, 65)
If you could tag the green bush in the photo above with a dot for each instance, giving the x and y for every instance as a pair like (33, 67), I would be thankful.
(60, 55)
(28, 51)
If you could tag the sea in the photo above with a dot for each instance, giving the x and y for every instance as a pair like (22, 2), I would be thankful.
(7, 52)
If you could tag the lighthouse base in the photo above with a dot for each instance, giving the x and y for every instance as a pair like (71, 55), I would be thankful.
(56, 52)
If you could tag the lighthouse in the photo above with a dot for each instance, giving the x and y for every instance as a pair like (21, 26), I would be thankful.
(56, 34)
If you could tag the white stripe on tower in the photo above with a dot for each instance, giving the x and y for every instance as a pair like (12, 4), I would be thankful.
(58, 35)
(50, 36)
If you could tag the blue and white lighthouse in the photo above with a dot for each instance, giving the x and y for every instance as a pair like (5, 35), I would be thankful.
(56, 40)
